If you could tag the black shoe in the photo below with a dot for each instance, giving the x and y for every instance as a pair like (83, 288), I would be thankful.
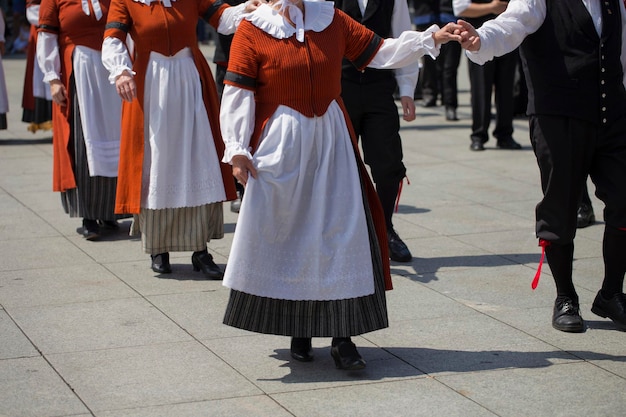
(613, 308)
(566, 316)
(235, 205)
(585, 216)
(345, 355)
(203, 261)
(477, 145)
(91, 230)
(398, 251)
(451, 114)
(161, 263)
(109, 224)
(301, 349)
(429, 102)
(508, 143)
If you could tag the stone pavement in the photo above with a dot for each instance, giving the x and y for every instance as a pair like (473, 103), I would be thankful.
(87, 329)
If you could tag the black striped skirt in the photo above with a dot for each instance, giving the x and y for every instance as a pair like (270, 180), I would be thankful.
(93, 197)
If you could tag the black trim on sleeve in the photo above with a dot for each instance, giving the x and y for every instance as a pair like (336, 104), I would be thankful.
(242, 80)
(49, 28)
(368, 53)
(117, 25)
(211, 10)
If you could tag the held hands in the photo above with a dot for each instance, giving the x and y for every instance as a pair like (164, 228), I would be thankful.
(450, 32)
(469, 36)
(242, 167)
(252, 5)
(126, 86)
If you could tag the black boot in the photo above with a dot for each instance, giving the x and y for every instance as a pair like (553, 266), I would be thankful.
(161, 263)
(345, 355)
(301, 349)
(566, 314)
(203, 261)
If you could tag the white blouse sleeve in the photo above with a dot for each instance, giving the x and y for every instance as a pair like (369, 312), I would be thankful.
(506, 32)
(406, 77)
(32, 14)
(48, 57)
(115, 58)
(237, 121)
(407, 49)
(230, 19)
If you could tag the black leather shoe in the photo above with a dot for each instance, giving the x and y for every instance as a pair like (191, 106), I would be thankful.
(161, 263)
(203, 261)
(508, 143)
(585, 216)
(613, 308)
(398, 251)
(477, 145)
(301, 349)
(429, 102)
(109, 224)
(345, 355)
(91, 230)
(566, 316)
(235, 205)
(451, 114)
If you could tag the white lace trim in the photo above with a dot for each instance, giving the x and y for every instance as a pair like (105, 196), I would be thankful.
(318, 16)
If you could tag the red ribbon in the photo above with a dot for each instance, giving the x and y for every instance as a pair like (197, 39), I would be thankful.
(544, 244)
(400, 191)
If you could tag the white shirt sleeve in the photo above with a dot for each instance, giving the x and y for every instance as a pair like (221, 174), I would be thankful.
(237, 121)
(407, 49)
(115, 58)
(459, 6)
(230, 19)
(48, 57)
(506, 32)
(406, 77)
(32, 14)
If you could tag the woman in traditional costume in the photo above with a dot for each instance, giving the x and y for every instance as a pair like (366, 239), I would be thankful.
(36, 98)
(309, 256)
(170, 172)
(85, 113)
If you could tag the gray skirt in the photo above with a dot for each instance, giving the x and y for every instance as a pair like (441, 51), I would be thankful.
(179, 229)
(313, 318)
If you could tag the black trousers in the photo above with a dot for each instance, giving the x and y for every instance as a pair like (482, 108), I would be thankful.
(496, 76)
(374, 116)
(567, 150)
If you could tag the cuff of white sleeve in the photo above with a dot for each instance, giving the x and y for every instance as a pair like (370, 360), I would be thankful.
(235, 149)
(118, 71)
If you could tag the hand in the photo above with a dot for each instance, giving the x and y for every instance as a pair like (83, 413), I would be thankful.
(408, 108)
(469, 36)
(252, 5)
(58, 92)
(242, 167)
(126, 86)
(450, 32)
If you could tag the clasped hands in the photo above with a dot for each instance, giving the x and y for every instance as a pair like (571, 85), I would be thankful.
(462, 32)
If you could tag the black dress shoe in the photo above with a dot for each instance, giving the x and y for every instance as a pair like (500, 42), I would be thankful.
(477, 145)
(585, 216)
(451, 114)
(613, 308)
(345, 354)
(203, 261)
(566, 316)
(91, 230)
(235, 205)
(508, 143)
(398, 251)
(161, 263)
(109, 224)
(429, 102)
(301, 349)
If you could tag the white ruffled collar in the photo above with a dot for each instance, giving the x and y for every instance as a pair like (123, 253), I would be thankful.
(317, 16)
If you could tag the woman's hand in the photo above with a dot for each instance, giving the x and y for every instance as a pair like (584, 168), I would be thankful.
(252, 5)
(470, 39)
(58, 92)
(126, 86)
(242, 167)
